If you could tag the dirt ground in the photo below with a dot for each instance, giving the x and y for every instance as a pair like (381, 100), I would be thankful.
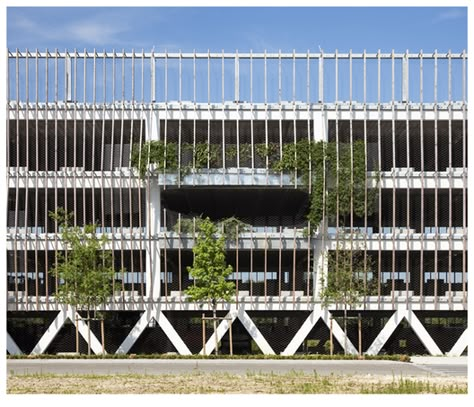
(202, 383)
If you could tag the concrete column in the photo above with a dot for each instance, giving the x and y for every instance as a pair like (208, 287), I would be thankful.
(153, 267)
(153, 286)
(319, 252)
(320, 125)
(320, 267)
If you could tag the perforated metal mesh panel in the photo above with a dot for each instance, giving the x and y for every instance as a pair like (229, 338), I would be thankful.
(71, 127)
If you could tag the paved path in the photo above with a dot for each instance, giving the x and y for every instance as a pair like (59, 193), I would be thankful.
(420, 368)
(445, 365)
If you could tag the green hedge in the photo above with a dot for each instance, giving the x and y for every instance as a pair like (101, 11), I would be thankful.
(401, 358)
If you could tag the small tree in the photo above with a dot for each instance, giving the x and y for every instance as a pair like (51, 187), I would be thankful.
(210, 270)
(85, 270)
(346, 281)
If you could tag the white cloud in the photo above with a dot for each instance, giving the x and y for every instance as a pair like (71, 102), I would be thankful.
(99, 30)
(450, 14)
(95, 32)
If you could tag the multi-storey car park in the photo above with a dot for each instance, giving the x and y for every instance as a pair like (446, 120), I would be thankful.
(74, 119)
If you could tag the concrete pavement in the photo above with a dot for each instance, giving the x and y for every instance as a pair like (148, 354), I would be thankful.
(418, 368)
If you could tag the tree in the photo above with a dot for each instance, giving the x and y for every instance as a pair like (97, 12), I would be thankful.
(85, 270)
(210, 270)
(347, 279)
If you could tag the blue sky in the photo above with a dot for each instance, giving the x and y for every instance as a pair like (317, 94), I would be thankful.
(242, 28)
(248, 28)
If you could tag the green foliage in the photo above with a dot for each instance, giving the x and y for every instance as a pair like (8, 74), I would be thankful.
(337, 175)
(245, 154)
(209, 267)
(186, 225)
(86, 269)
(334, 173)
(205, 154)
(230, 151)
(164, 156)
(231, 227)
(268, 151)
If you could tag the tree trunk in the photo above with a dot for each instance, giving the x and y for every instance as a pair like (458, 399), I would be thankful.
(102, 334)
(331, 346)
(88, 332)
(345, 328)
(77, 331)
(214, 321)
(203, 334)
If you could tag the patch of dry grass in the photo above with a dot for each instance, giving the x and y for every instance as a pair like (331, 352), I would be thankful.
(225, 383)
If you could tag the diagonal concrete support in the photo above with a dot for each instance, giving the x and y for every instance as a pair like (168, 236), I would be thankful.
(50, 333)
(302, 333)
(248, 325)
(95, 344)
(338, 333)
(310, 322)
(222, 328)
(153, 312)
(423, 334)
(135, 333)
(12, 347)
(171, 333)
(386, 332)
(254, 332)
(460, 345)
(63, 315)
(415, 324)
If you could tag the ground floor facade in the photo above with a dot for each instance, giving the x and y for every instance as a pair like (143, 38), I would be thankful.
(280, 327)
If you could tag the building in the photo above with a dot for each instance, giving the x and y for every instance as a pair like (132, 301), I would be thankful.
(73, 120)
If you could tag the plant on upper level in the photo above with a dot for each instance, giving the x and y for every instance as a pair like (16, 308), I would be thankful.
(164, 156)
(268, 151)
(232, 227)
(334, 173)
(229, 228)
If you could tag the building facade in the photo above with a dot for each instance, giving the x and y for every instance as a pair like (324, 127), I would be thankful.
(80, 126)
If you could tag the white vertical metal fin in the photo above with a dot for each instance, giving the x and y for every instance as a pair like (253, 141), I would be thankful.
(153, 77)
(321, 78)
(68, 78)
(236, 79)
(405, 81)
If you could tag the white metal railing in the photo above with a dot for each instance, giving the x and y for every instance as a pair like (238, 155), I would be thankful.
(307, 76)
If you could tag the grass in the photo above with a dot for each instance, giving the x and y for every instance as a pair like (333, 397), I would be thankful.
(401, 358)
(407, 386)
(227, 383)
